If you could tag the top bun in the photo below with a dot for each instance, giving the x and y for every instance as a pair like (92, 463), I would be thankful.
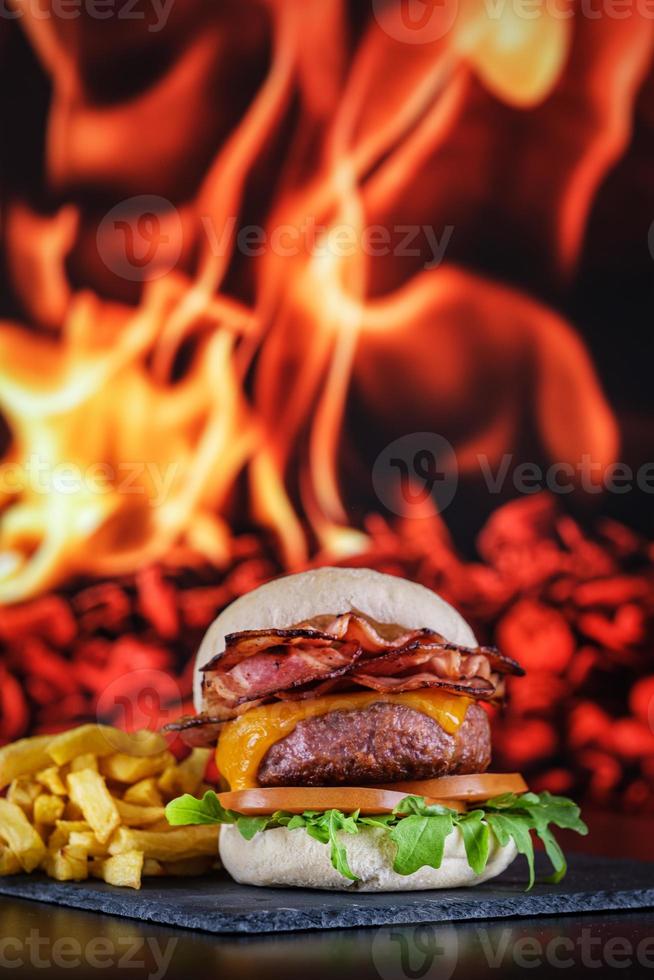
(294, 598)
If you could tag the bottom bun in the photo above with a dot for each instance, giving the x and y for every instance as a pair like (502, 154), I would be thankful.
(290, 858)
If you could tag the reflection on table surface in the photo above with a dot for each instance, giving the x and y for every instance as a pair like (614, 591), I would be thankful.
(74, 944)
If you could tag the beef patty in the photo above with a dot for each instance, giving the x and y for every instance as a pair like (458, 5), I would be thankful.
(383, 743)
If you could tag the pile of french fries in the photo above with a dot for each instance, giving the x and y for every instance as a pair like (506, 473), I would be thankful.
(90, 802)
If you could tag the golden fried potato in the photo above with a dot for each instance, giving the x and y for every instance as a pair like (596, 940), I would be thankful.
(20, 835)
(129, 769)
(176, 844)
(23, 792)
(86, 841)
(63, 829)
(51, 779)
(89, 791)
(187, 776)
(144, 793)
(68, 864)
(138, 816)
(160, 827)
(23, 758)
(104, 740)
(97, 796)
(72, 812)
(123, 870)
(86, 761)
(152, 868)
(48, 809)
(9, 863)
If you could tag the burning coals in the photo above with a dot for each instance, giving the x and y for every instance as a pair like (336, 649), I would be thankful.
(575, 608)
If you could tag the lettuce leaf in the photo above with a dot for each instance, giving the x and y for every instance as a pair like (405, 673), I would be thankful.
(476, 839)
(419, 830)
(420, 840)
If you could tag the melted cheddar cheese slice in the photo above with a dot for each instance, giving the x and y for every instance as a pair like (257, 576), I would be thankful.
(244, 742)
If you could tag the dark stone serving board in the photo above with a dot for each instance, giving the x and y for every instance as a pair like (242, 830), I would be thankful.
(217, 904)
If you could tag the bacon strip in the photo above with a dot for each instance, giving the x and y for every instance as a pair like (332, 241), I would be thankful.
(261, 674)
(373, 637)
(338, 653)
(473, 687)
(250, 642)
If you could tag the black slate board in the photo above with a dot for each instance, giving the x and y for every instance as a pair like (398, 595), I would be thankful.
(218, 905)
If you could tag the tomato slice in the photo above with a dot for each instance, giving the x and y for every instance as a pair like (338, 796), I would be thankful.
(472, 789)
(297, 799)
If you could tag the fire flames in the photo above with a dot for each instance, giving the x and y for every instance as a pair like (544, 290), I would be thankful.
(177, 386)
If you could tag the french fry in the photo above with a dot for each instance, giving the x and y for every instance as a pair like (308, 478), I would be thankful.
(63, 829)
(97, 796)
(95, 867)
(138, 816)
(21, 836)
(48, 809)
(86, 841)
(167, 782)
(152, 868)
(123, 870)
(23, 791)
(9, 863)
(187, 776)
(144, 793)
(68, 864)
(51, 779)
(103, 740)
(23, 758)
(178, 844)
(129, 769)
(72, 812)
(86, 761)
(89, 791)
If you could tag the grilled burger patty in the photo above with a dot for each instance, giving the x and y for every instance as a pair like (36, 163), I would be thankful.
(383, 743)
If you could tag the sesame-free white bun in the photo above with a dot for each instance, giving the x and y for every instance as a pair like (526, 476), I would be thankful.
(294, 598)
(282, 858)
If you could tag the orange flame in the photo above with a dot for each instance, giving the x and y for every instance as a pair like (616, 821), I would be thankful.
(194, 388)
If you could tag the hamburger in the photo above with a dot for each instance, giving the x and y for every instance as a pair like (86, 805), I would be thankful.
(349, 713)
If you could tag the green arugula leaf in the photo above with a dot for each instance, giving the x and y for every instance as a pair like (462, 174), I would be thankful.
(554, 853)
(510, 826)
(419, 830)
(188, 810)
(318, 829)
(417, 805)
(294, 822)
(558, 810)
(336, 821)
(476, 839)
(249, 826)
(420, 841)
(382, 820)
